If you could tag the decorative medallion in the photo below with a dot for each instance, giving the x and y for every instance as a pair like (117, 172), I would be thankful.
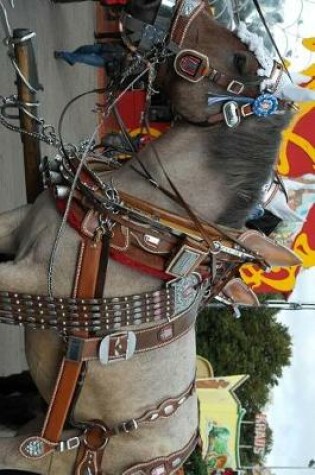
(231, 114)
(160, 470)
(185, 292)
(265, 105)
(33, 447)
(166, 333)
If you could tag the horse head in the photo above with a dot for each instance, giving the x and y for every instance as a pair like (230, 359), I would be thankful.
(220, 65)
(225, 81)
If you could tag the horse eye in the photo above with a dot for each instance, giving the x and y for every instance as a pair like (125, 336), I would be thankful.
(240, 62)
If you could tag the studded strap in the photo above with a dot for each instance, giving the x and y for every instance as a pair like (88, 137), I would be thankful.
(165, 465)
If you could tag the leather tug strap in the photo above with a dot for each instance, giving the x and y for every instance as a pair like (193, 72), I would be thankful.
(85, 285)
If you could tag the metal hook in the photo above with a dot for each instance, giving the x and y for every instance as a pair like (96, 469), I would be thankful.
(3, 110)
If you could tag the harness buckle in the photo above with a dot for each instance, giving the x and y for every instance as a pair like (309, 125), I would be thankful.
(117, 347)
(191, 65)
(75, 348)
(235, 87)
(276, 75)
(69, 444)
(246, 110)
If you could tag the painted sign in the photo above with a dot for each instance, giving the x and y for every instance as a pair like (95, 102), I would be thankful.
(260, 434)
(220, 419)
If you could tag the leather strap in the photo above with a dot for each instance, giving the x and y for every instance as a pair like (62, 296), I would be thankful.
(85, 283)
(165, 465)
(122, 345)
(90, 453)
(100, 315)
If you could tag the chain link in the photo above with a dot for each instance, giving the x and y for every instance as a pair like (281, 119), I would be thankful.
(47, 133)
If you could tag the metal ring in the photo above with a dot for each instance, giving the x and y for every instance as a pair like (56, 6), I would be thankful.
(103, 433)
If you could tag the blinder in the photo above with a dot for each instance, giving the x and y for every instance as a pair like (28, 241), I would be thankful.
(191, 65)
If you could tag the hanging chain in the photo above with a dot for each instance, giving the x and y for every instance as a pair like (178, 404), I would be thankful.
(47, 132)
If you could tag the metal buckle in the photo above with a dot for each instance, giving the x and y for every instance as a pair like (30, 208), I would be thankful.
(186, 261)
(231, 114)
(276, 74)
(185, 290)
(75, 348)
(69, 444)
(191, 65)
(246, 113)
(239, 87)
(128, 426)
(105, 347)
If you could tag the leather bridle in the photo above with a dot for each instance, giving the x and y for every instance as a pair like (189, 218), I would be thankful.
(167, 36)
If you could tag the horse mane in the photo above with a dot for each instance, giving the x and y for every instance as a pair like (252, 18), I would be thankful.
(246, 156)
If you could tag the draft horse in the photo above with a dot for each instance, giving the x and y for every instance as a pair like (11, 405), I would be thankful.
(115, 357)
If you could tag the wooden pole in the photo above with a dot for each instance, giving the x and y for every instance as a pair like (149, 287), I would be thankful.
(28, 85)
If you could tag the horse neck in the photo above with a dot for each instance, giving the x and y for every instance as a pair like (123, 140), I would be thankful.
(183, 150)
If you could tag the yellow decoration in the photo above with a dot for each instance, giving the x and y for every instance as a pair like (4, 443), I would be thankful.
(309, 43)
(288, 136)
(310, 71)
(305, 252)
(287, 63)
(204, 368)
(154, 133)
(256, 277)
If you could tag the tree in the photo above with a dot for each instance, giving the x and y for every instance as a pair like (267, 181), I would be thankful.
(255, 344)
(195, 465)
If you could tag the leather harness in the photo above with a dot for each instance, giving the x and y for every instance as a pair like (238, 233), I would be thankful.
(187, 253)
(173, 247)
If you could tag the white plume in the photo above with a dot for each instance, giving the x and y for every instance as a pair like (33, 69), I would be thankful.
(286, 89)
(255, 44)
